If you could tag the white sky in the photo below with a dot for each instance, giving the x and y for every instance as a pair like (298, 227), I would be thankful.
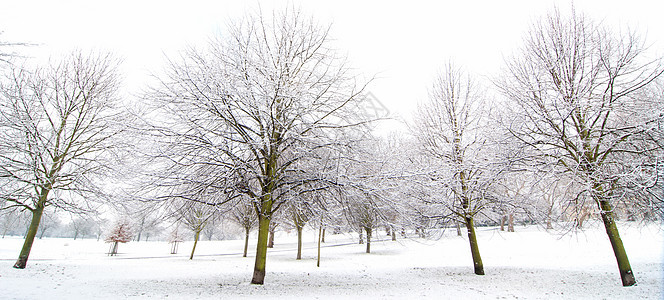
(403, 42)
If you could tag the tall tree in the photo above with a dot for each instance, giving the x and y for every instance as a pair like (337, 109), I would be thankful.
(269, 92)
(576, 90)
(57, 126)
(450, 128)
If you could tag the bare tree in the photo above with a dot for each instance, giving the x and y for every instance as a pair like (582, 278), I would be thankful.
(261, 99)
(195, 215)
(11, 219)
(576, 90)
(299, 213)
(243, 214)
(57, 126)
(80, 226)
(463, 167)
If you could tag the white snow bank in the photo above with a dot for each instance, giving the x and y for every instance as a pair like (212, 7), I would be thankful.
(529, 263)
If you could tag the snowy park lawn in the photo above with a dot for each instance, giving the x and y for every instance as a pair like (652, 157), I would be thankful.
(529, 263)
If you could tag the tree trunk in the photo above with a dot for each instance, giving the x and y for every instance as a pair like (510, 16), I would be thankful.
(261, 249)
(510, 223)
(474, 248)
(114, 249)
(32, 231)
(321, 233)
(394, 234)
(369, 231)
(246, 241)
(299, 242)
(196, 236)
(361, 237)
(626, 274)
(140, 230)
(174, 248)
(458, 228)
(270, 241)
(322, 239)
(502, 223)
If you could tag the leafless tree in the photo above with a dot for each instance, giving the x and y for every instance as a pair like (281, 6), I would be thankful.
(260, 100)
(57, 128)
(462, 162)
(80, 226)
(577, 104)
(243, 214)
(196, 216)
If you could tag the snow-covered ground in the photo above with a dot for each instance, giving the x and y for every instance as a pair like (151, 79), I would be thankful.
(529, 263)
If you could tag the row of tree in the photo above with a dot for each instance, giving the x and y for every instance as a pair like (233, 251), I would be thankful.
(268, 122)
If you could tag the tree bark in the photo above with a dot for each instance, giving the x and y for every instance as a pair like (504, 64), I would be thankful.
(246, 241)
(196, 236)
(114, 249)
(270, 241)
(394, 234)
(299, 242)
(174, 248)
(510, 223)
(322, 239)
(369, 231)
(261, 249)
(474, 247)
(625, 268)
(37, 213)
(321, 233)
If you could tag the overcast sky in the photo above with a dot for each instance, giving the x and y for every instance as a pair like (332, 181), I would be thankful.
(403, 42)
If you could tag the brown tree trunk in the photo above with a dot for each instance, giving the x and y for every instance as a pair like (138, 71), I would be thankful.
(299, 242)
(37, 213)
(322, 239)
(321, 233)
(394, 234)
(261, 249)
(510, 224)
(474, 247)
(114, 249)
(369, 231)
(246, 241)
(196, 236)
(270, 240)
(624, 267)
(502, 223)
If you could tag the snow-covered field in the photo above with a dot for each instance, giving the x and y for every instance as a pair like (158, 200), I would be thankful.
(529, 263)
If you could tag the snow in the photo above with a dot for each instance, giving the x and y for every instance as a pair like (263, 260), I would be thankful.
(530, 263)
